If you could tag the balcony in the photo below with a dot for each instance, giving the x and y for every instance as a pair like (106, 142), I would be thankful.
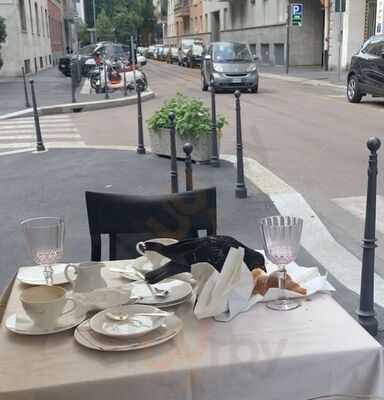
(182, 8)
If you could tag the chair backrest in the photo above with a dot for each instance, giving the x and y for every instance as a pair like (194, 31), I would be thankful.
(129, 219)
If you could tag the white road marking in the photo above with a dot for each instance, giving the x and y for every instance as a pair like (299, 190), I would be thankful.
(47, 136)
(356, 206)
(316, 239)
(56, 132)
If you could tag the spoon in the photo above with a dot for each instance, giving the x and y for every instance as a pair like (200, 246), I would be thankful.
(125, 316)
(156, 292)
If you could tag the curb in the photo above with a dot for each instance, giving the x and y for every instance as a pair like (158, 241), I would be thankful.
(79, 107)
(304, 81)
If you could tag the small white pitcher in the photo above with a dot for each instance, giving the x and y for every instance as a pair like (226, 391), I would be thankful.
(88, 276)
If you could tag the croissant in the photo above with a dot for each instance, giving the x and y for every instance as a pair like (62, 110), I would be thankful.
(263, 282)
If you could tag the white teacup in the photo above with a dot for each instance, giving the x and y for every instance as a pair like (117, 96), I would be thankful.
(45, 304)
(156, 259)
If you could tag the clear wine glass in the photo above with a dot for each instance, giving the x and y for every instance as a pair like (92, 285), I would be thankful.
(45, 242)
(281, 240)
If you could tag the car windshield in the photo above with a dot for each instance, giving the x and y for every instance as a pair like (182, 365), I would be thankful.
(231, 52)
(87, 50)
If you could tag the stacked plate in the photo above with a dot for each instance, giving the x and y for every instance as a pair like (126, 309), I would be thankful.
(178, 292)
(35, 275)
(130, 327)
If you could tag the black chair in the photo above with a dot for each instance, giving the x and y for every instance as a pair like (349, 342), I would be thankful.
(129, 219)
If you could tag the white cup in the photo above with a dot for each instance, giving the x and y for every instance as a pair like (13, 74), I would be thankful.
(156, 259)
(45, 304)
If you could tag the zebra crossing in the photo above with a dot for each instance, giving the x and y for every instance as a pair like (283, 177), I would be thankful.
(57, 131)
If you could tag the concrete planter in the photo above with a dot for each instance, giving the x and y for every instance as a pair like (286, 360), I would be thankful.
(160, 144)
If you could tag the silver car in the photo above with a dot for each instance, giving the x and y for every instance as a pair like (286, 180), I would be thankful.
(230, 65)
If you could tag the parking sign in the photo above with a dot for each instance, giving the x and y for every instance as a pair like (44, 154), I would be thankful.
(297, 10)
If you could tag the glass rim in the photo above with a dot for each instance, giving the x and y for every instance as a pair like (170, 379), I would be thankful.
(59, 220)
(295, 220)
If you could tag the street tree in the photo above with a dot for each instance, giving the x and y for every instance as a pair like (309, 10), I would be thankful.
(105, 30)
(84, 34)
(3, 36)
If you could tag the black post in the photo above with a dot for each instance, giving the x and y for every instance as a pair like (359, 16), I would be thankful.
(288, 45)
(106, 95)
(174, 180)
(215, 162)
(39, 139)
(366, 311)
(140, 147)
(125, 80)
(73, 77)
(241, 190)
(25, 89)
(188, 148)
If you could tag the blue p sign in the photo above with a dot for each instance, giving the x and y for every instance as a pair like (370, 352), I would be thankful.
(297, 14)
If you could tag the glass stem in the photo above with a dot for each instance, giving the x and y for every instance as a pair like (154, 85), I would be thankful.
(282, 280)
(48, 275)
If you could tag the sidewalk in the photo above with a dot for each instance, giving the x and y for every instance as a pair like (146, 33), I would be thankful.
(54, 183)
(309, 75)
(51, 87)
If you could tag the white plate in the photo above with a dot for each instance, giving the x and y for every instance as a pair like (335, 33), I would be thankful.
(35, 275)
(85, 336)
(178, 290)
(135, 325)
(23, 325)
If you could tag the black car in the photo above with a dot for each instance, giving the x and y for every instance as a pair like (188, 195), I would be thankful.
(366, 73)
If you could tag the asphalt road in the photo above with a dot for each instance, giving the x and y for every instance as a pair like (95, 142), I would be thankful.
(307, 135)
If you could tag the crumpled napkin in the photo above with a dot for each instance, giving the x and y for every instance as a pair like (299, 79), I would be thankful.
(100, 299)
(228, 293)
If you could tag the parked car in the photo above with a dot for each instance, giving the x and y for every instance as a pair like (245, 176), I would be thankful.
(150, 51)
(190, 52)
(174, 54)
(230, 65)
(366, 72)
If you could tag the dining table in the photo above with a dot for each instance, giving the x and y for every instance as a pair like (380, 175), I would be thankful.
(316, 349)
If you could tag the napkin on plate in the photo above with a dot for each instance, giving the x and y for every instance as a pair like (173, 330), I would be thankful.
(228, 293)
(100, 299)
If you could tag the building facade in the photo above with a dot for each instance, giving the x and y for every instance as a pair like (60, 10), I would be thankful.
(324, 38)
(28, 43)
(56, 29)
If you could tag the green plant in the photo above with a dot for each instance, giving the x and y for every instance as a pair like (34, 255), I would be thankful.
(193, 118)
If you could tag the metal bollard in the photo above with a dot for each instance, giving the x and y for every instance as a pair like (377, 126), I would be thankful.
(215, 162)
(73, 77)
(25, 89)
(125, 80)
(241, 190)
(106, 95)
(174, 180)
(188, 148)
(140, 147)
(366, 312)
(39, 140)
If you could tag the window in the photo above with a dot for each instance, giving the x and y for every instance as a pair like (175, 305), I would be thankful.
(41, 62)
(37, 21)
(206, 23)
(50, 59)
(225, 19)
(42, 22)
(27, 66)
(46, 23)
(374, 46)
(23, 19)
(31, 15)
(35, 60)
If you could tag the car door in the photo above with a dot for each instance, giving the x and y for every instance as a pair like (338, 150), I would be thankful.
(378, 68)
(367, 60)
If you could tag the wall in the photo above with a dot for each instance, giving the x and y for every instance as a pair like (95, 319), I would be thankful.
(353, 20)
(307, 41)
(28, 44)
(197, 24)
(55, 13)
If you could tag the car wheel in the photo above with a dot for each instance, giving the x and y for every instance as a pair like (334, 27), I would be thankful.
(255, 89)
(204, 85)
(353, 92)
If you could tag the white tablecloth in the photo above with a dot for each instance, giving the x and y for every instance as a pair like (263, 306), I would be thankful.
(314, 350)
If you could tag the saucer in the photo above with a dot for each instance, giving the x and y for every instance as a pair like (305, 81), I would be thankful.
(35, 275)
(135, 325)
(85, 336)
(178, 292)
(21, 324)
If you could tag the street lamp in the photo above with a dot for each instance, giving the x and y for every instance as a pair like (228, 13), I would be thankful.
(94, 21)
(287, 51)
